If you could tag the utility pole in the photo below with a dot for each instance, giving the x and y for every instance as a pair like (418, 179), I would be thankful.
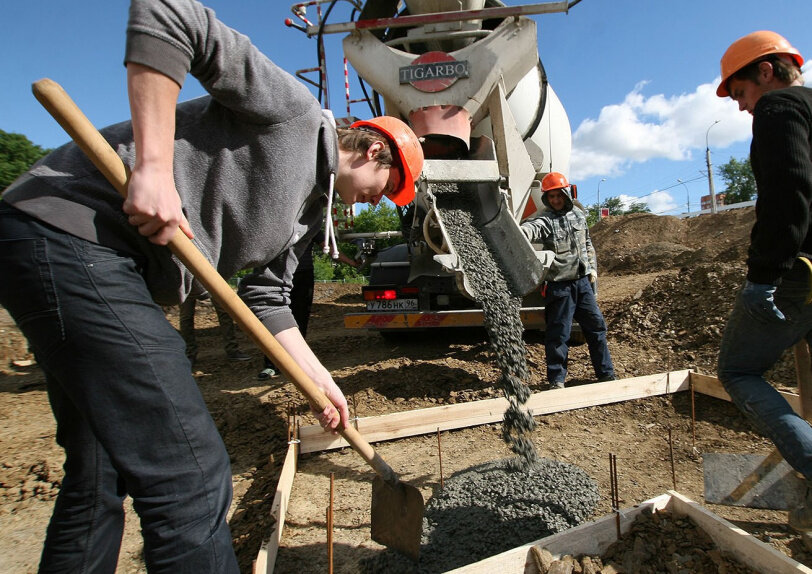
(599, 198)
(710, 170)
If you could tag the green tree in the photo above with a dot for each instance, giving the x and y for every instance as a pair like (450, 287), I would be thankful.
(381, 217)
(639, 207)
(17, 154)
(738, 176)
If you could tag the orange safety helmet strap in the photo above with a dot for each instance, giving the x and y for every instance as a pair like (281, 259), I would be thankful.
(750, 48)
(554, 180)
(408, 150)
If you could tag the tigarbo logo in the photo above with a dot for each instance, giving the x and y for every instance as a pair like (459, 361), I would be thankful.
(433, 72)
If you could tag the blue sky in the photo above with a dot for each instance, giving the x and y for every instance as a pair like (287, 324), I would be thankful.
(637, 78)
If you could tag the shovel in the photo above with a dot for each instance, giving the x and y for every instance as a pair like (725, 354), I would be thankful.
(397, 508)
(758, 481)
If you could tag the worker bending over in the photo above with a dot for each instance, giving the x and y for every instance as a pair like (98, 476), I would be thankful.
(569, 289)
(762, 73)
(244, 170)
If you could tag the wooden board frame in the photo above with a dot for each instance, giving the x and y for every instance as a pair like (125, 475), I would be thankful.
(594, 538)
(425, 421)
(266, 557)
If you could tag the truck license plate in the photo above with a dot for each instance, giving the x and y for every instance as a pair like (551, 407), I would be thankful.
(392, 305)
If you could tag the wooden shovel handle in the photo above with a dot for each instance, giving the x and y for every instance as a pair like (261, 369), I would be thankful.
(63, 109)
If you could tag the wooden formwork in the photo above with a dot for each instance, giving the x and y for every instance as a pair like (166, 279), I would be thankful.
(593, 537)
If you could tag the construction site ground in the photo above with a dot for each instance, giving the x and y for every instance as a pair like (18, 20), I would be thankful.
(666, 287)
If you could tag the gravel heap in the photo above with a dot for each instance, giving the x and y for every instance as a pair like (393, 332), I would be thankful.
(491, 508)
(501, 305)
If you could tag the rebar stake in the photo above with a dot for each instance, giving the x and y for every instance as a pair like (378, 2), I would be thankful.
(693, 415)
(613, 491)
(440, 454)
(354, 412)
(671, 450)
(330, 526)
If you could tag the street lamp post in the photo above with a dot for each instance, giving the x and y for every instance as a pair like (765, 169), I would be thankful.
(710, 170)
(687, 196)
(599, 197)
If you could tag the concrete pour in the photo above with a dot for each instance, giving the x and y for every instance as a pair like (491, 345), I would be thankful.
(499, 505)
(491, 508)
(501, 306)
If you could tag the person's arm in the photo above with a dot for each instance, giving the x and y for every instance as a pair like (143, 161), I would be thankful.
(783, 173)
(536, 229)
(293, 342)
(152, 203)
(591, 257)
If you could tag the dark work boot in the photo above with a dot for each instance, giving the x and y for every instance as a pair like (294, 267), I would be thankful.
(801, 518)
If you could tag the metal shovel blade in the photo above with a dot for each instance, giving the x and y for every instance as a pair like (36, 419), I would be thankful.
(751, 480)
(397, 516)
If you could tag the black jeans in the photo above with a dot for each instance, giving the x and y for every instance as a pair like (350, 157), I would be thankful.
(129, 414)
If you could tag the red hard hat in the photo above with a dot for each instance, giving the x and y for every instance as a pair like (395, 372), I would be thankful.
(554, 180)
(750, 48)
(408, 149)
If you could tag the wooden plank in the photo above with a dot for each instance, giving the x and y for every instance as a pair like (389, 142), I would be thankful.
(712, 387)
(591, 538)
(746, 548)
(425, 421)
(594, 538)
(266, 557)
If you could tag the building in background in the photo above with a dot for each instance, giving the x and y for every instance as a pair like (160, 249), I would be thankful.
(705, 201)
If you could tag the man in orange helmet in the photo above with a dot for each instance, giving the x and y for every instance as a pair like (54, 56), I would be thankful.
(761, 72)
(569, 292)
(84, 273)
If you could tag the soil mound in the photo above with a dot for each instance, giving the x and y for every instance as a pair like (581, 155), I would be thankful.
(643, 242)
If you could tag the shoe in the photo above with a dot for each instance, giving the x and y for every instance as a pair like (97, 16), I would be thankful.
(267, 373)
(554, 386)
(238, 356)
(801, 518)
(607, 378)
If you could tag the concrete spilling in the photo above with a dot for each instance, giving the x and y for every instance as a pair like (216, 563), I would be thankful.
(501, 305)
(494, 507)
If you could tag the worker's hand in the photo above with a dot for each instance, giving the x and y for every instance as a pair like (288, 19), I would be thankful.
(593, 276)
(337, 413)
(153, 204)
(759, 301)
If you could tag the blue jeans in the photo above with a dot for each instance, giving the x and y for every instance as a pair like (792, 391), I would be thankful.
(129, 414)
(750, 347)
(563, 302)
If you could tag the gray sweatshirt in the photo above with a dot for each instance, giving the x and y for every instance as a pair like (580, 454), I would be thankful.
(252, 163)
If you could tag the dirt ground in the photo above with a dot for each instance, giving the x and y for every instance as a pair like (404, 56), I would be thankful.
(666, 287)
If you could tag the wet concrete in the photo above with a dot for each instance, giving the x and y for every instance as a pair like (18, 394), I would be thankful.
(501, 305)
(493, 507)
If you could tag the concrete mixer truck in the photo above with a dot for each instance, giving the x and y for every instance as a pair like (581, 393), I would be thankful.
(467, 77)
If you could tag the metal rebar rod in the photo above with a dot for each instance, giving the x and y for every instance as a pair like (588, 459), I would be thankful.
(330, 526)
(671, 451)
(440, 454)
(614, 491)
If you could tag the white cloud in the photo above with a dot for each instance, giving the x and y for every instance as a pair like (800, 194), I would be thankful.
(643, 128)
(658, 201)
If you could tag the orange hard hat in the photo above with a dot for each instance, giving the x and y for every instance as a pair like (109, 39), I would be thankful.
(554, 180)
(408, 150)
(750, 48)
